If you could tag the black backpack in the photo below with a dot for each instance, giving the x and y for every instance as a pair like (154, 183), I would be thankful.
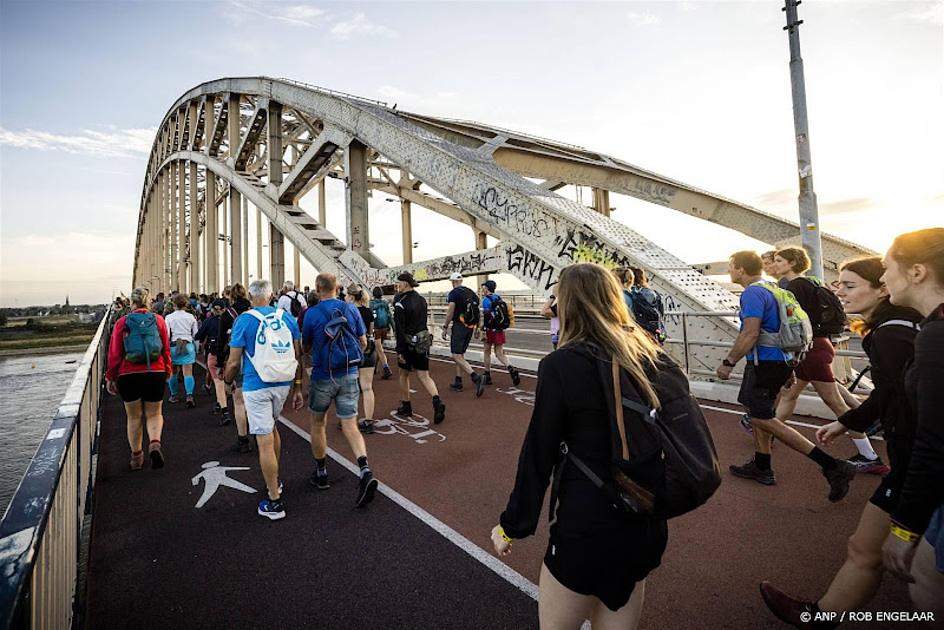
(647, 311)
(500, 319)
(296, 305)
(827, 315)
(667, 464)
(468, 309)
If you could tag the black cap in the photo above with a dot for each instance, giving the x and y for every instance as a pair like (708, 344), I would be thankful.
(490, 285)
(407, 277)
(219, 304)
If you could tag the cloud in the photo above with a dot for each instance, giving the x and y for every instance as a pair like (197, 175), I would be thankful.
(359, 25)
(930, 14)
(119, 143)
(424, 103)
(297, 14)
(643, 19)
(776, 198)
(845, 206)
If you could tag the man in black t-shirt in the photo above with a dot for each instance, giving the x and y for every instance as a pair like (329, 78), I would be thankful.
(462, 315)
(413, 343)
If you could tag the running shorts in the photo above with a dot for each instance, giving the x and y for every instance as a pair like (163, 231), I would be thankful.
(935, 537)
(263, 407)
(410, 361)
(760, 385)
(146, 386)
(344, 391)
(370, 355)
(495, 337)
(187, 357)
(888, 492)
(380, 334)
(461, 337)
(817, 365)
(607, 564)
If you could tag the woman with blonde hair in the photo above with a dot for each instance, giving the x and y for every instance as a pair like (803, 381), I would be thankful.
(183, 327)
(598, 557)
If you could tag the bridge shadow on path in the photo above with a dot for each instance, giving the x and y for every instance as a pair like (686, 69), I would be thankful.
(157, 561)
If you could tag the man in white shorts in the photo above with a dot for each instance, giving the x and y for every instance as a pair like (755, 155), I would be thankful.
(264, 400)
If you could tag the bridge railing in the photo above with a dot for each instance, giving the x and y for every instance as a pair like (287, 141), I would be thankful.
(44, 530)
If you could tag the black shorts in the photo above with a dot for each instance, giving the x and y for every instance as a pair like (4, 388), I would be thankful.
(607, 564)
(760, 385)
(410, 361)
(146, 386)
(370, 355)
(888, 492)
(461, 337)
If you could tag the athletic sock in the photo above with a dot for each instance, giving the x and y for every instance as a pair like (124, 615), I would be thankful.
(762, 460)
(172, 385)
(188, 385)
(826, 461)
(322, 466)
(362, 462)
(865, 448)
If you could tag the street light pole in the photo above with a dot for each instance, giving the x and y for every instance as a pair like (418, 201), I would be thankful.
(809, 213)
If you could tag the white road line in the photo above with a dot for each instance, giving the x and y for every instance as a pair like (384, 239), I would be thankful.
(793, 422)
(503, 570)
(501, 367)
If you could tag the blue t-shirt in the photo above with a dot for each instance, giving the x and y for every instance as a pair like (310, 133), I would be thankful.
(759, 302)
(313, 333)
(244, 336)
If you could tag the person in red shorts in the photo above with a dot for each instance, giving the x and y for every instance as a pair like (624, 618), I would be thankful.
(494, 334)
(816, 368)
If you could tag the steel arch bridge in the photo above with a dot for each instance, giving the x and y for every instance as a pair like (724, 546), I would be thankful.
(232, 142)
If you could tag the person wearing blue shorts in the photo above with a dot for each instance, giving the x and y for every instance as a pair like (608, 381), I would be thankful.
(338, 385)
(182, 327)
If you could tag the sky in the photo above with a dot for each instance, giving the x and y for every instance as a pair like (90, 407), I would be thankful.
(697, 91)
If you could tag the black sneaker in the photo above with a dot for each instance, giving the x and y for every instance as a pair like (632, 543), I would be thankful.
(387, 373)
(839, 478)
(272, 510)
(456, 387)
(751, 471)
(405, 409)
(216, 408)
(366, 426)
(207, 388)
(515, 377)
(319, 481)
(190, 403)
(439, 412)
(479, 384)
(225, 417)
(243, 445)
(488, 378)
(366, 488)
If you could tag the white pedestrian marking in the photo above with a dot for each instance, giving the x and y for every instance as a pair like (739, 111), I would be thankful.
(214, 476)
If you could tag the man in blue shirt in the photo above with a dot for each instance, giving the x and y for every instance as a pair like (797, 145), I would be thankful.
(264, 400)
(764, 375)
(330, 382)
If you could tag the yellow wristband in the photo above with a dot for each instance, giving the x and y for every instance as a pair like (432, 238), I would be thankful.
(298, 381)
(504, 536)
(904, 534)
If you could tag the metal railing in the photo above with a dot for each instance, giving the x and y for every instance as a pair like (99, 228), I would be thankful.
(43, 531)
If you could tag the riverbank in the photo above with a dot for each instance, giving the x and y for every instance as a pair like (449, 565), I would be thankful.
(22, 352)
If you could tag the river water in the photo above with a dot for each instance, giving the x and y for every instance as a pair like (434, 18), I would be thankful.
(31, 388)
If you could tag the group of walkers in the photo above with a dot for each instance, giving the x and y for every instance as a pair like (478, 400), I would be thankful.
(615, 431)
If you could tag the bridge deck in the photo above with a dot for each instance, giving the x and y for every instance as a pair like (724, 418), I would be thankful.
(414, 558)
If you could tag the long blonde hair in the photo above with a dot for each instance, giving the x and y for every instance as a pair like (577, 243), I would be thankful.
(591, 310)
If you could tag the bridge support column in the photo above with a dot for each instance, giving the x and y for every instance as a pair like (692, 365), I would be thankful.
(358, 228)
(245, 243)
(601, 201)
(406, 230)
(212, 231)
(274, 126)
(196, 283)
(481, 242)
(297, 263)
(181, 227)
(236, 236)
(322, 204)
(258, 243)
(276, 258)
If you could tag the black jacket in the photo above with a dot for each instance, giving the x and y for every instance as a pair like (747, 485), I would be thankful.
(209, 330)
(409, 317)
(240, 305)
(923, 491)
(890, 349)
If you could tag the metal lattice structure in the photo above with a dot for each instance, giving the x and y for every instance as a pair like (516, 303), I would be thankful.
(269, 142)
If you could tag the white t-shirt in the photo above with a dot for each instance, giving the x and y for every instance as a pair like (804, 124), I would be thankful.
(181, 325)
(285, 301)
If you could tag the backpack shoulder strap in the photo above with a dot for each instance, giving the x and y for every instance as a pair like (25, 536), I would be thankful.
(899, 322)
(256, 314)
(617, 400)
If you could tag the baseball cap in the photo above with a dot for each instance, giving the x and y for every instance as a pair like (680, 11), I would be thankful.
(455, 275)
(407, 277)
(490, 285)
(219, 304)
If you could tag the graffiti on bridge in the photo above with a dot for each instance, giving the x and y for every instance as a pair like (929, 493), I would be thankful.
(530, 265)
(580, 246)
(670, 305)
(524, 220)
(653, 191)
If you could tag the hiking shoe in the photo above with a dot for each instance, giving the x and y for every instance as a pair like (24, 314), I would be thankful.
(156, 455)
(789, 609)
(488, 378)
(137, 460)
(319, 481)
(869, 466)
(190, 403)
(207, 388)
(405, 409)
(243, 445)
(746, 423)
(751, 471)
(216, 408)
(439, 412)
(387, 373)
(839, 478)
(225, 418)
(479, 384)
(173, 400)
(272, 510)
(366, 488)
(366, 426)
(456, 387)
(515, 376)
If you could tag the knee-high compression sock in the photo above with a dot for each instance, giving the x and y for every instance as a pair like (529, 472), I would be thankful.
(172, 384)
(188, 385)
(865, 448)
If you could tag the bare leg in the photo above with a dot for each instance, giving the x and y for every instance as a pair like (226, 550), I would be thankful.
(788, 398)
(559, 608)
(269, 464)
(404, 377)
(462, 365)
(239, 412)
(365, 378)
(500, 355)
(487, 358)
(277, 444)
(832, 396)
(858, 579)
(135, 428)
(626, 618)
(927, 592)
(319, 440)
(788, 435)
(153, 412)
(762, 440)
(427, 382)
(354, 437)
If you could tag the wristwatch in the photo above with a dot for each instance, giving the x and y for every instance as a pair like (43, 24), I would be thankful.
(727, 363)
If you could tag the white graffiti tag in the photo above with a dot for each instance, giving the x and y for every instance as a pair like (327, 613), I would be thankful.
(214, 476)
(404, 425)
